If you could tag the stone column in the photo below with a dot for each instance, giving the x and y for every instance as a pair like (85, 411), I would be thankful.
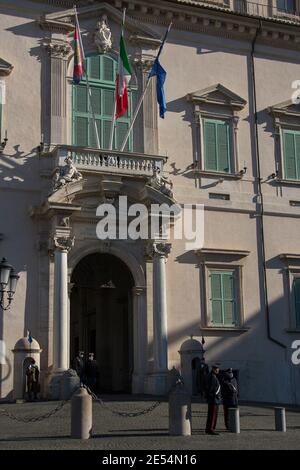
(61, 320)
(158, 383)
(139, 338)
(61, 305)
(147, 137)
(58, 51)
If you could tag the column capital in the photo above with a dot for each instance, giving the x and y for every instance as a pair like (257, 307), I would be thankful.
(63, 242)
(158, 248)
(144, 63)
(58, 49)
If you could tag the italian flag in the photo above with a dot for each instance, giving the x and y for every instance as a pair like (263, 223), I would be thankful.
(78, 56)
(122, 81)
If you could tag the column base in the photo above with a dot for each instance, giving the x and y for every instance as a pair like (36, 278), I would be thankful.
(62, 384)
(157, 383)
(138, 383)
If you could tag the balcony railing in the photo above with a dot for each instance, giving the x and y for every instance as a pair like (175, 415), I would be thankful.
(108, 161)
(262, 9)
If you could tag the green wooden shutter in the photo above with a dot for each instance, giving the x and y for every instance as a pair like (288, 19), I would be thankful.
(81, 99)
(216, 298)
(228, 298)
(122, 128)
(108, 100)
(210, 147)
(81, 131)
(106, 125)
(223, 147)
(108, 69)
(94, 67)
(222, 298)
(289, 155)
(92, 133)
(297, 154)
(102, 73)
(96, 100)
(297, 301)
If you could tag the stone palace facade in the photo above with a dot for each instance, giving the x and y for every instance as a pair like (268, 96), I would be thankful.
(230, 141)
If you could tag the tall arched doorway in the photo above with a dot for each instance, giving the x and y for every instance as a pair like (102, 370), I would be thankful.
(101, 317)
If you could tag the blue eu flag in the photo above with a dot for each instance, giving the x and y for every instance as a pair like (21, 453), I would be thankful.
(160, 73)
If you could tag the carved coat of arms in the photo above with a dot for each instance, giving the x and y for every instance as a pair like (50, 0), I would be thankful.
(102, 36)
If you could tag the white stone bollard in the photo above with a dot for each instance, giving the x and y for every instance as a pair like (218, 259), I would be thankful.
(234, 420)
(179, 412)
(81, 414)
(280, 421)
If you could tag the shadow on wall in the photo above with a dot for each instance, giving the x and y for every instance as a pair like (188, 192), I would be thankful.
(265, 369)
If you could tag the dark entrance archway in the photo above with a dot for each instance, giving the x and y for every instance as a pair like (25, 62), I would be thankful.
(101, 318)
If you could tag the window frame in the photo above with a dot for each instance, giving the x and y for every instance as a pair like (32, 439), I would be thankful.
(100, 84)
(232, 121)
(285, 9)
(217, 120)
(294, 323)
(295, 130)
(239, 317)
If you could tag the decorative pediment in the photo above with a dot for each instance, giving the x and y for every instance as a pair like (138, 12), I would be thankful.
(286, 108)
(64, 20)
(217, 95)
(5, 67)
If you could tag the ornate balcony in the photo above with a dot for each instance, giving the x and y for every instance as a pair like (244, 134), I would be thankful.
(89, 160)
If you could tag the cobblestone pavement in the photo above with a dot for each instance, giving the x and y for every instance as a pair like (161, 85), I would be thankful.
(146, 432)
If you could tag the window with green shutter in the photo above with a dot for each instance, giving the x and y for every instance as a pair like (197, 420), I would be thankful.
(102, 70)
(296, 289)
(222, 298)
(291, 154)
(217, 145)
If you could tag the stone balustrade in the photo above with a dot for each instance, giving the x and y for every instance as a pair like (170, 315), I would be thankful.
(108, 161)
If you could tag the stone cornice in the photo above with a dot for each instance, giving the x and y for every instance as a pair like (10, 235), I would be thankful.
(5, 68)
(217, 95)
(189, 15)
(222, 252)
(289, 257)
(287, 108)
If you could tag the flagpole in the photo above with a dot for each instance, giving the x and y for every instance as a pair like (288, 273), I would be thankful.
(92, 109)
(87, 81)
(143, 95)
(135, 115)
(113, 122)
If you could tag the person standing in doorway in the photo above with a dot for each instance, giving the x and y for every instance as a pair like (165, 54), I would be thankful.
(32, 374)
(78, 366)
(91, 371)
(213, 396)
(229, 389)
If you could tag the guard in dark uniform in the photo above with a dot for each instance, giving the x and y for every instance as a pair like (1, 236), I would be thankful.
(78, 366)
(213, 396)
(91, 370)
(32, 374)
(229, 389)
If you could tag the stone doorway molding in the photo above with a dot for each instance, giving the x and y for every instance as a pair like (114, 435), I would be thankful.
(140, 345)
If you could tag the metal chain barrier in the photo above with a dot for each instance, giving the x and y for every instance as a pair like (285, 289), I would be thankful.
(34, 418)
(124, 414)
